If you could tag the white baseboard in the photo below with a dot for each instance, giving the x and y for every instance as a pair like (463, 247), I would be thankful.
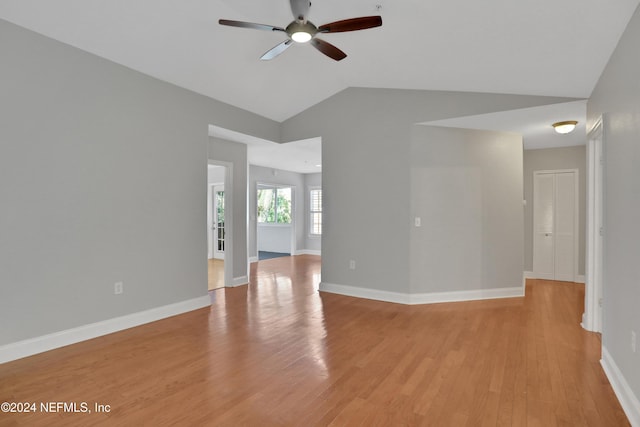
(473, 295)
(299, 252)
(308, 252)
(628, 400)
(59, 339)
(423, 298)
(239, 281)
(374, 294)
(529, 275)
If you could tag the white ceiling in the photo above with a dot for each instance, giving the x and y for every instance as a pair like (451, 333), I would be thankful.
(534, 124)
(529, 47)
(303, 156)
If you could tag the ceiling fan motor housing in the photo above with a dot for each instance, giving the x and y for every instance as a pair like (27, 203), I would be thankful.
(300, 27)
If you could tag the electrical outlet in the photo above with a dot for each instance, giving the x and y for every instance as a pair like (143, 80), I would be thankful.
(633, 341)
(118, 288)
(352, 265)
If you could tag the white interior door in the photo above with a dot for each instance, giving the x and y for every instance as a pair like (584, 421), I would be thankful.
(218, 222)
(565, 227)
(543, 222)
(555, 219)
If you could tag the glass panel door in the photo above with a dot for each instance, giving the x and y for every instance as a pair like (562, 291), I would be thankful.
(218, 220)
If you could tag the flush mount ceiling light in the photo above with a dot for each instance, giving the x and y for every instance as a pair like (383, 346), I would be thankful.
(565, 127)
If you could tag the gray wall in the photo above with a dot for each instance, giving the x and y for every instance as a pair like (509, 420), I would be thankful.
(235, 154)
(466, 187)
(262, 175)
(550, 159)
(102, 179)
(216, 174)
(366, 159)
(617, 98)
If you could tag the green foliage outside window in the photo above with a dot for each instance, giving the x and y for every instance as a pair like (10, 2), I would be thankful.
(220, 204)
(274, 205)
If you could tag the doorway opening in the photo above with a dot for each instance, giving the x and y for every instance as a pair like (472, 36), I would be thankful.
(275, 236)
(217, 226)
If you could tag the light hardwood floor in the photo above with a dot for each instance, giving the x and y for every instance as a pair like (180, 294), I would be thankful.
(216, 273)
(278, 353)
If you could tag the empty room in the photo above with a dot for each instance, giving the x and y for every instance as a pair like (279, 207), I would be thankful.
(278, 213)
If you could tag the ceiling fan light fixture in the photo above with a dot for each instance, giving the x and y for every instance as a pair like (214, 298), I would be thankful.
(565, 127)
(301, 32)
(301, 37)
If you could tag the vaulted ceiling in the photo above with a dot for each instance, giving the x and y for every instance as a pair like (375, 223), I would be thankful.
(529, 47)
(537, 47)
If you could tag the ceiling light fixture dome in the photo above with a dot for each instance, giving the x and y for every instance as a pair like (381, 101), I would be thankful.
(301, 37)
(301, 32)
(565, 127)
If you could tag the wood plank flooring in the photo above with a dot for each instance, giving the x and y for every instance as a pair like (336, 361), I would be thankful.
(215, 273)
(278, 353)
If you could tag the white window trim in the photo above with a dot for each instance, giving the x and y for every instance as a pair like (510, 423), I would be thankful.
(311, 212)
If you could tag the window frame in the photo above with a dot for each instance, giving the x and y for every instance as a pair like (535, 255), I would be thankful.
(312, 212)
(275, 188)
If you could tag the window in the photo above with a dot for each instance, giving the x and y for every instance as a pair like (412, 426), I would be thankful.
(219, 203)
(274, 205)
(315, 208)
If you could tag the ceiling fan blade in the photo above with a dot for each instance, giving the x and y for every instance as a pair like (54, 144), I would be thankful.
(251, 25)
(276, 50)
(300, 9)
(328, 49)
(352, 24)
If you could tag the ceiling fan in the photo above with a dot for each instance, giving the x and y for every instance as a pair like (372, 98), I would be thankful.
(301, 30)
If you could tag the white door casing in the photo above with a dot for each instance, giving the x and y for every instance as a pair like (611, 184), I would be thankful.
(209, 221)
(594, 265)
